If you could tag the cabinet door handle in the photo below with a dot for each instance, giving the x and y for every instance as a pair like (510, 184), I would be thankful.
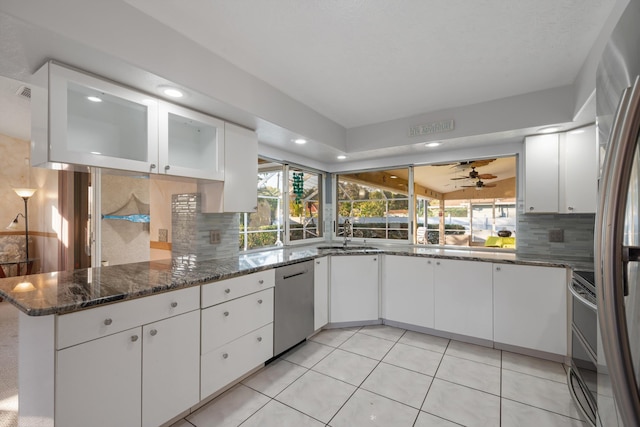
(226, 291)
(498, 269)
(375, 259)
(261, 281)
(108, 322)
(152, 166)
(134, 338)
(226, 314)
(259, 301)
(570, 208)
(153, 332)
(428, 262)
(437, 262)
(530, 208)
(167, 167)
(259, 339)
(225, 355)
(174, 304)
(317, 262)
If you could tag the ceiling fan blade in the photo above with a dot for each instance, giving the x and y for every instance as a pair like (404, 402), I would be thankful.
(464, 177)
(487, 176)
(489, 185)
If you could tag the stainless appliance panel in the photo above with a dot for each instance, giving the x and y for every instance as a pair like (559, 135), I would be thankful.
(293, 309)
(617, 231)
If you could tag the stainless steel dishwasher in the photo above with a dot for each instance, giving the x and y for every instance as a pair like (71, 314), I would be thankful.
(293, 318)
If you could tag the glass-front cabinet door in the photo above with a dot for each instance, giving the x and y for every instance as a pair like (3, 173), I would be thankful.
(191, 143)
(98, 123)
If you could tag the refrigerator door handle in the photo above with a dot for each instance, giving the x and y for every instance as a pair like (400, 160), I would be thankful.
(610, 268)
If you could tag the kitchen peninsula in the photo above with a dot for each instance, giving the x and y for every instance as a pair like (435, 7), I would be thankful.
(94, 323)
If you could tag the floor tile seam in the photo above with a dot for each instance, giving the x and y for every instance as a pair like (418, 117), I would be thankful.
(343, 403)
(473, 360)
(391, 398)
(372, 336)
(358, 354)
(535, 376)
(363, 331)
(254, 412)
(422, 348)
(413, 371)
(273, 397)
(321, 359)
(542, 409)
(432, 380)
(467, 386)
(291, 407)
(441, 417)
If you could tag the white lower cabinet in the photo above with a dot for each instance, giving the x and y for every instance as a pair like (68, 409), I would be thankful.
(170, 367)
(98, 383)
(320, 292)
(354, 288)
(408, 290)
(147, 373)
(225, 364)
(530, 307)
(464, 298)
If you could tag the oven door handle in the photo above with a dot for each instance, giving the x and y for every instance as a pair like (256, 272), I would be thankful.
(582, 299)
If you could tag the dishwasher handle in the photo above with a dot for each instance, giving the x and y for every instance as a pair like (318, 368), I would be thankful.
(295, 274)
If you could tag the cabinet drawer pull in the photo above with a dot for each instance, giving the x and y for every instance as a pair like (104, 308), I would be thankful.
(134, 338)
(317, 262)
(428, 262)
(153, 165)
(375, 259)
(225, 355)
(530, 208)
(259, 339)
(174, 304)
(153, 332)
(437, 262)
(226, 313)
(498, 269)
(259, 301)
(570, 208)
(108, 322)
(167, 167)
(261, 281)
(226, 291)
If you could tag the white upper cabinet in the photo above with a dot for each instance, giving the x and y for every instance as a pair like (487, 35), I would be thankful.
(79, 119)
(83, 120)
(191, 143)
(541, 174)
(580, 190)
(561, 172)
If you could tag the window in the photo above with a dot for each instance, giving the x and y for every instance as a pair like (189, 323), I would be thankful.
(305, 208)
(297, 209)
(468, 203)
(376, 203)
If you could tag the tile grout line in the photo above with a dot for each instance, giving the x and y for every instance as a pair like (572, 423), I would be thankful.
(431, 385)
(362, 382)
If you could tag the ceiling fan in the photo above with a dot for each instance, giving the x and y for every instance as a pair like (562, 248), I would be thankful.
(467, 164)
(474, 174)
(479, 185)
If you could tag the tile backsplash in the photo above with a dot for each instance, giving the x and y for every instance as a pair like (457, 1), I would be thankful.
(577, 229)
(191, 230)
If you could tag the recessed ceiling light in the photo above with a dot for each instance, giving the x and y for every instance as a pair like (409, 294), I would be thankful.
(393, 177)
(432, 144)
(300, 141)
(549, 129)
(94, 99)
(342, 157)
(172, 92)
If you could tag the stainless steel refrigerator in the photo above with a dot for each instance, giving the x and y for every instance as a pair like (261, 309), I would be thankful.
(617, 243)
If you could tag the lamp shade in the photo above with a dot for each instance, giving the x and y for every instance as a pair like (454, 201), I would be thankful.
(25, 192)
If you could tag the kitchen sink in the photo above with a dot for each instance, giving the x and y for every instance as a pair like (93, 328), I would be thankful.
(347, 248)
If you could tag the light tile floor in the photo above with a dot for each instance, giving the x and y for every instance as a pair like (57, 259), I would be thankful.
(384, 376)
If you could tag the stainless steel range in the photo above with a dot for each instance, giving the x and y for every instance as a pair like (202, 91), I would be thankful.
(582, 376)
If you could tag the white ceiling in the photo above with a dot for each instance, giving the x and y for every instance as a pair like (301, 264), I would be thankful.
(358, 63)
(362, 62)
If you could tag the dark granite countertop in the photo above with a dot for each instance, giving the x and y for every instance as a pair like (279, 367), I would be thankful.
(68, 291)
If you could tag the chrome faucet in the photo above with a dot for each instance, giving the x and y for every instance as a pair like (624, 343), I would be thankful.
(347, 231)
